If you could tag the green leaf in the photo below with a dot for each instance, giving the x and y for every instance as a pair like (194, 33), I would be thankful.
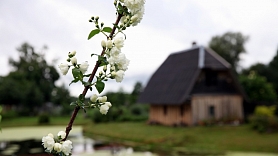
(73, 104)
(76, 73)
(74, 81)
(87, 75)
(99, 86)
(93, 33)
(102, 61)
(107, 29)
(81, 98)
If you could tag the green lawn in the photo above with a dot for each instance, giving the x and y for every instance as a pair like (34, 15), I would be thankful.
(173, 140)
(216, 139)
(33, 121)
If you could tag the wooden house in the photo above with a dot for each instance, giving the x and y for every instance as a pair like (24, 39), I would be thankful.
(193, 86)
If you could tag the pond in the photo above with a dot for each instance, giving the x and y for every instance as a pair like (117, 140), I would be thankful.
(23, 141)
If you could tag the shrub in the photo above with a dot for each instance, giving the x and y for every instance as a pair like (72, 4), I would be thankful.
(264, 119)
(9, 114)
(44, 119)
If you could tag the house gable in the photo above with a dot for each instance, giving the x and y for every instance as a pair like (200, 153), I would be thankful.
(174, 80)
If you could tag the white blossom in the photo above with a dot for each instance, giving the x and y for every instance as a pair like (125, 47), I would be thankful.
(119, 42)
(62, 134)
(73, 60)
(48, 142)
(64, 67)
(84, 67)
(58, 147)
(122, 62)
(103, 109)
(138, 16)
(119, 75)
(66, 147)
(94, 97)
(114, 52)
(134, 5)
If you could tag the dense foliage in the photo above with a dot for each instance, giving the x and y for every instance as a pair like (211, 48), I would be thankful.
(230, 46)
(31, 83)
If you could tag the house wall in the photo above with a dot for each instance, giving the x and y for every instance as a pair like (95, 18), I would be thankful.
(225, 107)
(170, 114)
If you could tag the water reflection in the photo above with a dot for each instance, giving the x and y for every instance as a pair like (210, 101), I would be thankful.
(82, 146)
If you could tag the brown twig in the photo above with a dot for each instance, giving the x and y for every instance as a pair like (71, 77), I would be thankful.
(77, 108)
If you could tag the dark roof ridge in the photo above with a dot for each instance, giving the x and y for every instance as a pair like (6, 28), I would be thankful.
(183, 51)
(218, 57)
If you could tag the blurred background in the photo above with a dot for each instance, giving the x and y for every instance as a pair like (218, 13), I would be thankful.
(36, 36)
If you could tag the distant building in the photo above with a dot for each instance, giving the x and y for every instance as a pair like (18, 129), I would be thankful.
(192, 86)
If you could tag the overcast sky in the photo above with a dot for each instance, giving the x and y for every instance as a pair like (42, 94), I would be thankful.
(168, 26)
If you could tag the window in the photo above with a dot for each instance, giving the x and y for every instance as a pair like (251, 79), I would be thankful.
(165, 110)
(212, 111)
(181, 110)
(211, 77)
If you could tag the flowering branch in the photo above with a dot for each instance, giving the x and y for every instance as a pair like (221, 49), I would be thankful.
(86, 88)
(113, 63)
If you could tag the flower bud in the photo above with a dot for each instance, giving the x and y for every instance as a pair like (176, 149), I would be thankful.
(96, 18)
(113, 74)
(58, 147)
(64, 67)
(104, 99)
(50, 135)
(84, 67)
(108, 104)
(112, 68)
(101, 24)
(104, 68)
(71, 54)
(61, 134)
(103, 43)
(93, 98)
(103, 109)
(73, 60)
(109, 44)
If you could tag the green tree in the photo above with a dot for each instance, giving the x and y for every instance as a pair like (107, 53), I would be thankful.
(31, 81)
(259, 68)
(230, 46)
(62, 97)
(257, 88)
(138, 87)
(273, 71)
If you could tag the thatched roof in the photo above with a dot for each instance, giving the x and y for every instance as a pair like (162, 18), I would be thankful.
(174, 79)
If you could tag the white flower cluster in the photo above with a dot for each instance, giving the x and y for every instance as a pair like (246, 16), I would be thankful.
(137, 10)
(116, 59)
(64, 67)
(101, 103)
(60, 147)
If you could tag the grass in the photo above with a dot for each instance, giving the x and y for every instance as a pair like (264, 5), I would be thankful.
(170, 140)
(215, 139)
(33, 121)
